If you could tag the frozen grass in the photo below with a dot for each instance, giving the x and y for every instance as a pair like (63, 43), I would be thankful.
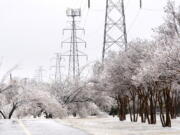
(112, 126)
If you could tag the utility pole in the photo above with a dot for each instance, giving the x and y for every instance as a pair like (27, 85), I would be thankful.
(115, 26)
(58, 66)
(74, 53)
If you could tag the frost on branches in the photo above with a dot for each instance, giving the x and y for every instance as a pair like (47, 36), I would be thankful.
(145, 80)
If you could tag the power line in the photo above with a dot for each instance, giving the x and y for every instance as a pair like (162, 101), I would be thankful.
(83, 8)
(81, 3)
(127, 4)
(86, 18)
(152, 10)
(134, 21)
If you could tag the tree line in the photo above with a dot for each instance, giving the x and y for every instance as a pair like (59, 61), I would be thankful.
(145, 79)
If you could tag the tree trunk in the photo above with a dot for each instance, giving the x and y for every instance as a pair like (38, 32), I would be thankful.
(3, 115)
(12, 110)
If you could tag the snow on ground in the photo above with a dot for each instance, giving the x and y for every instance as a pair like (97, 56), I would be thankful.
(37, 127)
(49, 127)
(10, 127)
(112, 126)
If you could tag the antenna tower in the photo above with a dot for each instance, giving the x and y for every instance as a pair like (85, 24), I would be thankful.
(74, 41)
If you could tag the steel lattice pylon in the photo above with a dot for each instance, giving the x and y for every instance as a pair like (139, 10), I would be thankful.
(115, 26)
(74, 53)
(39, 74)
(57, 67)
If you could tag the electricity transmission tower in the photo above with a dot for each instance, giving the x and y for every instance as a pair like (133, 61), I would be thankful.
(115, 26)
(57, 66)
(39, 74)
(74, 41)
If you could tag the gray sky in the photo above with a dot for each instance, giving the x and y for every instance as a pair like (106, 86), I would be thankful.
(31, 30)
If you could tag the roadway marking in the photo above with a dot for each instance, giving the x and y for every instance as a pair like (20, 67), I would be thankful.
(24, 127)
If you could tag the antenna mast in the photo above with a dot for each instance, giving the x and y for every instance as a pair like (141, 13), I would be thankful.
(74, 53)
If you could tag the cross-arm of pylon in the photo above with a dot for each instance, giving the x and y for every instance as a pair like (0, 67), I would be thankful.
(83, 54)
(54, 58)
(65, 53)
(68, 41)
(65, 41)
(70, 29)
(79, 42)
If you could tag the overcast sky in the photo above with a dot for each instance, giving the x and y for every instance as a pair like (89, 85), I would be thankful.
(31, 30)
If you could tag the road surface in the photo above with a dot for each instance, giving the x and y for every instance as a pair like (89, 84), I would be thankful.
(36, 127)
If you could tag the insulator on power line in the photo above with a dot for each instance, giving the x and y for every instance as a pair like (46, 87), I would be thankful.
(89, 3)
(140, 3)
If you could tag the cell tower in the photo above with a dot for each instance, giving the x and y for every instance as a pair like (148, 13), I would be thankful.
(57, 67)
(115, 26)
(74, 41)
